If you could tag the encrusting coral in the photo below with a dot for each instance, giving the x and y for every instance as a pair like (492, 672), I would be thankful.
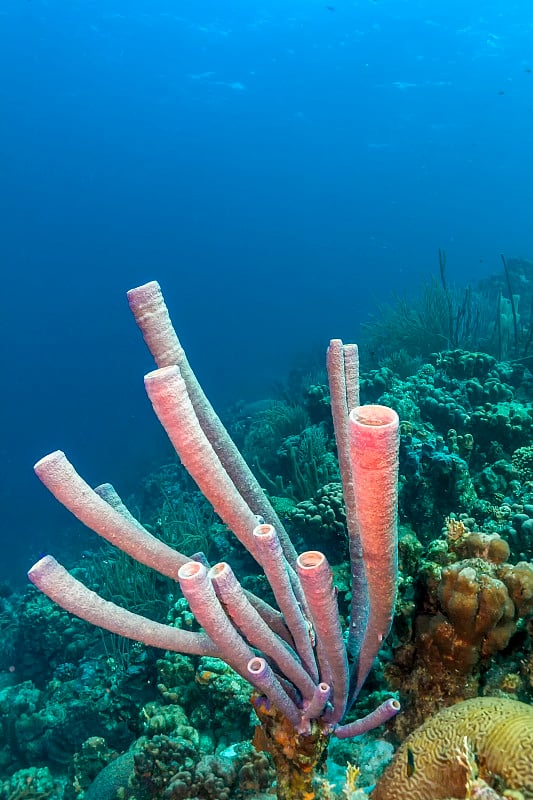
(430, 765)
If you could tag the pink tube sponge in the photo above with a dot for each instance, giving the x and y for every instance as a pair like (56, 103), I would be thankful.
(63, 588)
(317, 582)
(60, 477)
(374, 443)
(151, 315)
(171, 402)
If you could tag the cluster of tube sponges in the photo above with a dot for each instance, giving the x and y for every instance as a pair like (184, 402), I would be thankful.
(295, 656)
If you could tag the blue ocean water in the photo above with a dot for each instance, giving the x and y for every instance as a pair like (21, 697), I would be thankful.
(280, 167)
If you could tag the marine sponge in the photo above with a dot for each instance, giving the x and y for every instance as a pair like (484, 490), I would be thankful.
(500, 735)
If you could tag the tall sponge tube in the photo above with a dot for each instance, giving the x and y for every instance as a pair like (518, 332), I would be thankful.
(374, 446)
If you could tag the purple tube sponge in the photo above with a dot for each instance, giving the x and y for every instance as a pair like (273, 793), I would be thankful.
(295, 655)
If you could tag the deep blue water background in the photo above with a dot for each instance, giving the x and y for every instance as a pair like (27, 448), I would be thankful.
(279, 167)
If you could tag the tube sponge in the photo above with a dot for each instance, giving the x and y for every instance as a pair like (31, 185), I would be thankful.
(374, 440)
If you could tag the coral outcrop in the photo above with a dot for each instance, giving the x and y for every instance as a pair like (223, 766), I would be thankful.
(469, 606)
(500, 735)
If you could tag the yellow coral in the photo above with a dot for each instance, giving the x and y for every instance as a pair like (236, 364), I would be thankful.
(352, 776)
(205, 677)
(455, 529)
(500, 733)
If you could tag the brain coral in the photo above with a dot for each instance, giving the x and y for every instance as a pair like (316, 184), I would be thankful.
(500, 734)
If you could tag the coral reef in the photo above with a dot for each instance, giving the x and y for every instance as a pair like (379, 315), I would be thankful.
(321, 522)
(471, 602)
(86, 715)
(34, 783)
